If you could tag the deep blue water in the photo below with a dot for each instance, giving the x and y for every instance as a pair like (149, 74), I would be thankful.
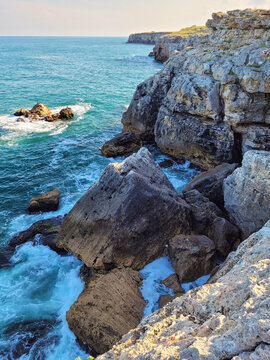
(97, 77)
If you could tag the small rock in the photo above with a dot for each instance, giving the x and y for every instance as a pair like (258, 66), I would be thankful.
(45, 202)
(66, 113)
(172, 282)
(53, 117)
(166, 163)
(40, 110)
(22, 112)
(192, 256)
(123, 144)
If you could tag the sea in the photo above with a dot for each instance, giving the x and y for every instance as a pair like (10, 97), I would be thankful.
(96, 77)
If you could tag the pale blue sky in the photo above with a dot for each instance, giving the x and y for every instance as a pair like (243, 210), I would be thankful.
(109, 17)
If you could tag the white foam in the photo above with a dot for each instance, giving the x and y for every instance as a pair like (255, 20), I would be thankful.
(152, 288)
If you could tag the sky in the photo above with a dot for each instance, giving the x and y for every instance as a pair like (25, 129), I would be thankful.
(109, 17)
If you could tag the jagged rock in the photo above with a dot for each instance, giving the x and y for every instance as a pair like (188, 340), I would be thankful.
(210, 183)
(247, 192)
(172, 282)
(45, 202)
(125, 143)
(126, 218)
(145, 38)
(66, 113)
(199, 103)
(46, 229)
(108, 308)
(166, 163)
(22, 112)
(40, 110)
(203, 211)
(219, 320)
(192, 256)
(52, 117)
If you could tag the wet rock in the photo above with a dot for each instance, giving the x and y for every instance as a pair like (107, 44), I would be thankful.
(41, 232)
(210, 183)
(247, 192)
(172, 282)
(123, 144)
(192, 256)
(45, 202)
(126, 218)
(166, 163)
(22, 112)
(40, 110)
(108, 308)
(66, 113)
(220, 320)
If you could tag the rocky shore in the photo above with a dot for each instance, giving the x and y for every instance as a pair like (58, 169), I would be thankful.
(210, 104)
(149, 38)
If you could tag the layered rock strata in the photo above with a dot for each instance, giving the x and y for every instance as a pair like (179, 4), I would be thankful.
(210, 103)
(225, 319)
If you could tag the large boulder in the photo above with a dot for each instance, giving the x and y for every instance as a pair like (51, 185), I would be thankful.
(123, 144)
(108, 308)
(45, 202)
(210, 183)
(247, 192)
(40, 110)
(192, 256)
(225, 319)
(66, 113)
(127, 217)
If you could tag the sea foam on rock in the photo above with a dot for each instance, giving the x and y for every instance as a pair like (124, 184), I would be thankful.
(127, 217)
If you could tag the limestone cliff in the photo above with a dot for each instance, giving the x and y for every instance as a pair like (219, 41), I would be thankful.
(225, 319)
(211, 101)
(149, 38)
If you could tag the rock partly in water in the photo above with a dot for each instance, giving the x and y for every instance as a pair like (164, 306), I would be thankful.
(149, 38)
(45, 202)
(40, 110)
(22, 112)
(224, 319)
(126, 218)
(210, 183)
(41, 232)
(66, 113)
(166, 163)
(247, 192)
(192, 256)
(123, 144)
(172, 282)
(108, 308)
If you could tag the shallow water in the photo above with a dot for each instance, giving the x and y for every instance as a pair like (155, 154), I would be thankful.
(97, 78)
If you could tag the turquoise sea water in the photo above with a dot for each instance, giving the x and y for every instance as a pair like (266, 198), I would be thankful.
(97, 78)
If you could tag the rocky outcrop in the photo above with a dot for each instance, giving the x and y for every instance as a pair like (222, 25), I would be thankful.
(127, 217)
(225, 319)
(149, 38)
(192, 256)
(172, 282)
(108, 308)
(45, 202)
(41, 111)
(210, 103)
(247, 192)
(123, 144)
(210, 183)
(41, 232)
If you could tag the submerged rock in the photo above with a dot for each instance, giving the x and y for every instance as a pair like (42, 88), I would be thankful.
(192, 256)
(224, 319)
(123, 144)
(126, 218)
(247, 192)
(45, 202)
(108, 308)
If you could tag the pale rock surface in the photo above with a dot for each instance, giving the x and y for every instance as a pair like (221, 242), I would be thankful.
(247, 192)
(146, 38)
(226, 319)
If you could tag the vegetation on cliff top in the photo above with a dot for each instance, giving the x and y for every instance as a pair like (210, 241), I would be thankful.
(188, 31)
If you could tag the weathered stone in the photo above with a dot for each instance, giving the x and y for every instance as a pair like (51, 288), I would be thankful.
(45, 229)
(126, 218)
(219, 320)
(40, 110)
(66, 113)
(247, 192)
(166, 163)
(123, 144)
(172, 282)
(22, 112)
(192, 256)
(108, 308)
(45, 202)
(149, 38)
(210, 183)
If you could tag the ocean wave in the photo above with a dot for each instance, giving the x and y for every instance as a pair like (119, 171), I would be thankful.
(25, 125)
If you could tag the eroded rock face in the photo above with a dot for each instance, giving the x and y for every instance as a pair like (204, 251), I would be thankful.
(126, 218)
(210, 103)
(210, 183)
(149, 38)
(247, 192)
(192, 256)
(40, 110)
(108, 308)
(220, 320)
(45, 202)
(125, 143)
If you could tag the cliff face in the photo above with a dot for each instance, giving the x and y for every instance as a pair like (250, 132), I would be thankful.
(146, 38)
(225, 319)
(211, 101)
